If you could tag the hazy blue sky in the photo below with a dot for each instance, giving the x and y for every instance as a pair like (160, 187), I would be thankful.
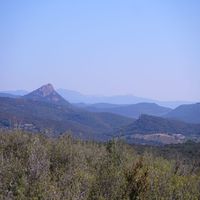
(148, 48)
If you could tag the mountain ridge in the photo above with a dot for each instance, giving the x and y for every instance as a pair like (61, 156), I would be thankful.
(132, 110)
(189, 113)
(77, 97)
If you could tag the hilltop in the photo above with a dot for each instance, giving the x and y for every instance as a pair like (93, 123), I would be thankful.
(46, 93)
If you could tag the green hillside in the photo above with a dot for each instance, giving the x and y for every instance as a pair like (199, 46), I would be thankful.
(54, 119)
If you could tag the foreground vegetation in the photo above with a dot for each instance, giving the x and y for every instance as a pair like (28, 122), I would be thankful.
(36, 167)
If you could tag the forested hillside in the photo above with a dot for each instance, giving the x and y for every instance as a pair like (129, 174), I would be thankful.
(33, 166)
(54, 119)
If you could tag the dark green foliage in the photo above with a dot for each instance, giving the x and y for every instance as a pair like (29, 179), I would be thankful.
(37, 167)
(135, 185)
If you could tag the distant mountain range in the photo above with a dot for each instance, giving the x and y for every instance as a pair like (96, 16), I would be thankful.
(188, 113)
(45, 110)
(76, 97)
(2, 94)
(15, 92)
(133, 110)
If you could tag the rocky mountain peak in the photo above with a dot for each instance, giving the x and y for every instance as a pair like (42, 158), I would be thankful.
(46, 93)
(46, 90)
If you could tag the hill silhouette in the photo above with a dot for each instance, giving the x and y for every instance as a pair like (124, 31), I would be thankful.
(188, 113)
(133, 111)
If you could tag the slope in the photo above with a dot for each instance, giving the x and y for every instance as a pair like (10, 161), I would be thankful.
(52, 118)
(133, 111)
(188, 113)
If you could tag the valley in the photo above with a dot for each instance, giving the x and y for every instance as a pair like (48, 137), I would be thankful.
(47, 112)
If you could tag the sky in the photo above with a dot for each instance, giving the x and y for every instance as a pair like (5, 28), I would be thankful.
(148, 48)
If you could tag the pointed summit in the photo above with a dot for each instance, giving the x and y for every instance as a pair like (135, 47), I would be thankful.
(45, 90)
(46, 93)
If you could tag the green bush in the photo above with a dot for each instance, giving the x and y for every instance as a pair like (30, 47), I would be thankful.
(36, 167)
